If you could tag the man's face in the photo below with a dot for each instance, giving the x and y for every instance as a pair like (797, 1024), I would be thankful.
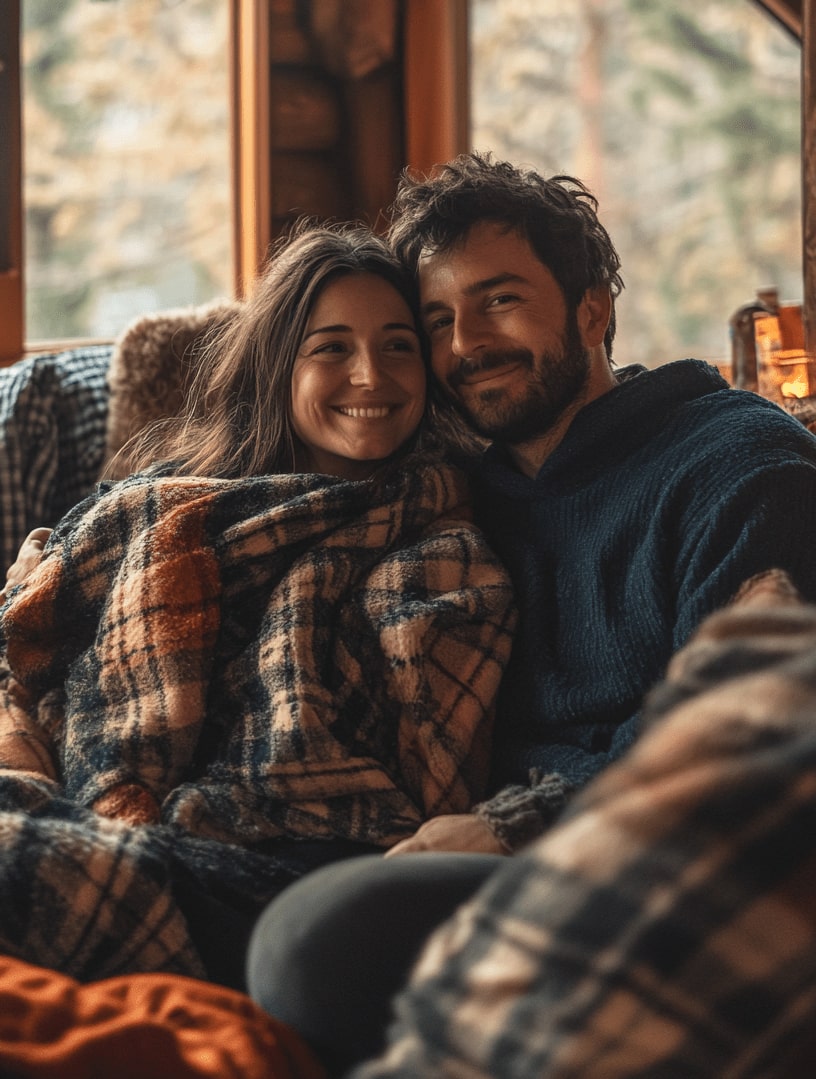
(502, 345)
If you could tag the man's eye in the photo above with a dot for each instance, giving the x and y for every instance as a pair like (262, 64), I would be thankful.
(438, 323)
(499, 301)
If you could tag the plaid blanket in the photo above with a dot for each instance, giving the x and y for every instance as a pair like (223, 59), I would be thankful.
(229, 662)
(667, 927)
(285, 655)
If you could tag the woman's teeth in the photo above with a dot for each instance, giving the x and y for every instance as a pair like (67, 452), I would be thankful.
(366, 413)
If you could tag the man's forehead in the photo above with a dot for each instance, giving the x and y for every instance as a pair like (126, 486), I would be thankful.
(493, 255)
(480, 233)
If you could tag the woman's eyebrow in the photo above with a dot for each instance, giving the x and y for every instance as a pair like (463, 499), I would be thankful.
(337, 328)
(340, 328)
(400, 326)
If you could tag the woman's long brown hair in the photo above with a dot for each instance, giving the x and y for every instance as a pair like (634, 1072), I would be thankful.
(237, 417)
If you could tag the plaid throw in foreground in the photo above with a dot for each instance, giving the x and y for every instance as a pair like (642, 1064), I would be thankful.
(667, 927)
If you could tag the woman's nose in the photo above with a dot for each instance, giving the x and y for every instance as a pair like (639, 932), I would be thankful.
(366, 368)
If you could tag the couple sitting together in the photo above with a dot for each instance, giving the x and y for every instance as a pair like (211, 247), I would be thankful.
(323, 620)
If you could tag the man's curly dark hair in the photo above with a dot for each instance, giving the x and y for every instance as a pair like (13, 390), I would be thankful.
(557, 216)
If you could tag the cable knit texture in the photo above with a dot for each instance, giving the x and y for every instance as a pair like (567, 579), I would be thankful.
(517, 815)
(664, 496)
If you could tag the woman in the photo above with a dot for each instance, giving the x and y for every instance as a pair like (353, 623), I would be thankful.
(279, 647)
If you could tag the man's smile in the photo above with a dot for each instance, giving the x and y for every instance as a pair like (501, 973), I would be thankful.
(488, 374)
(494, 365)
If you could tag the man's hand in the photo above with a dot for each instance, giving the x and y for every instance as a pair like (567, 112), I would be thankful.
(28, 558)
(454, 831)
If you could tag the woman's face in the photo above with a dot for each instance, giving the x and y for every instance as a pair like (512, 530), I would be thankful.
(358, 384)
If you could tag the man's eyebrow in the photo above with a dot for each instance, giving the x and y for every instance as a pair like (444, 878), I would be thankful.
(339, 327)
(477, 287)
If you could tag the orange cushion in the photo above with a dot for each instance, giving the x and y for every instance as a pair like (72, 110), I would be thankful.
(140, 1025)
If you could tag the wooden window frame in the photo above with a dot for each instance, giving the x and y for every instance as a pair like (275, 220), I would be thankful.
(437, 81)
(249, 89)
(11, 237)
(437, 104)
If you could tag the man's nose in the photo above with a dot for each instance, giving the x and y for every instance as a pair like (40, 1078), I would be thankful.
(470, 335)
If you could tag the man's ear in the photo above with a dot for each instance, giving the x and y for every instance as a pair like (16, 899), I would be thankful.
(594, 312)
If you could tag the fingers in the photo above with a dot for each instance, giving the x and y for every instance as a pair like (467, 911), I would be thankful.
(28, 558)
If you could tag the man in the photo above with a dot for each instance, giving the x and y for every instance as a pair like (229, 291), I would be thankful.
(627, 505)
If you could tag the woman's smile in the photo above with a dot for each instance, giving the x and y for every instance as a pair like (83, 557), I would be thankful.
(367, 412)
(358, 384)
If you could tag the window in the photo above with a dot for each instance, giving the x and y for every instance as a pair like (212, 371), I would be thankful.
(127, 196)
(684, 119)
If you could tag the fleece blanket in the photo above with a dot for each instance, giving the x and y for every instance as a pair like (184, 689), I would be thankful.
(139, 1026)
(243, 661)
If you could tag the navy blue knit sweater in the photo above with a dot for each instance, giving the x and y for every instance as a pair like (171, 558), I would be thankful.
(663, 497)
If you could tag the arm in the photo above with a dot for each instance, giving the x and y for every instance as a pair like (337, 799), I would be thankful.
(112, 621)
(501, 825)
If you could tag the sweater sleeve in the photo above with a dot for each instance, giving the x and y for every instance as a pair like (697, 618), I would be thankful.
(518, 814)
(765, 519)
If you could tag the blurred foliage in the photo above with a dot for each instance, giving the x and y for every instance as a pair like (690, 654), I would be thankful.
(684, 119)
(127, 183)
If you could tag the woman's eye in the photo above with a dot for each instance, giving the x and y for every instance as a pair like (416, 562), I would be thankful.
(329, 348)
(403, 345)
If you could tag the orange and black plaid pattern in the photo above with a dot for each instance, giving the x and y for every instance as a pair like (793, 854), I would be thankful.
(667, 926)
(282, 655)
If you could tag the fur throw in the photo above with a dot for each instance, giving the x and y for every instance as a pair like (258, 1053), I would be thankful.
(151, 367)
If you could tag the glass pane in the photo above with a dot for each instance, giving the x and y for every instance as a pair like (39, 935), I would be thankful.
(127, 184)
(684, 120)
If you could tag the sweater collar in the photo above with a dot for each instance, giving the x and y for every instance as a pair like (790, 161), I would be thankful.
(609, 428)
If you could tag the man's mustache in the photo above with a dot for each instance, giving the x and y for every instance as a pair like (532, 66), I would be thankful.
(487, 361)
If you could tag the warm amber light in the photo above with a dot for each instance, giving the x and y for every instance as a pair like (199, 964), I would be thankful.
(792, 372)
(797, 384)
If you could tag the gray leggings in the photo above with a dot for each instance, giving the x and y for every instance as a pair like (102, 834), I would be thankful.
(331, 951)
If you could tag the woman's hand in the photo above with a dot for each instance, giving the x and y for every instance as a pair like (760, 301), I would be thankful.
(28, 558)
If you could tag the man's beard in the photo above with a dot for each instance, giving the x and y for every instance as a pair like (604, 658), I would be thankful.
(555, 380)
